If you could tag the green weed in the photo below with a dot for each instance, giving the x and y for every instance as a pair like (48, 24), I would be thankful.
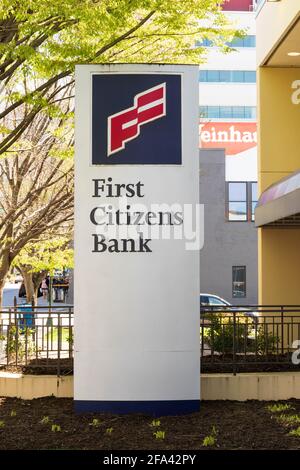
(155, 423)
(95, 423)
(278, 408)
(159, 434)
(288, 420)
(211, 439)
(55, 428)
(45, 420)
(295, 432)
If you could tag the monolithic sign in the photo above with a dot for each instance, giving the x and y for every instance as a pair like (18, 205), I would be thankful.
(235, 137)
(136, 239)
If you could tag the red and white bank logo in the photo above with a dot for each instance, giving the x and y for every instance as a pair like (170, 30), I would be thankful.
(125, 125)
(136, 119)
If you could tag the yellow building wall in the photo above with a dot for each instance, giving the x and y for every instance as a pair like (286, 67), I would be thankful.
(279, 277)
(279, 155)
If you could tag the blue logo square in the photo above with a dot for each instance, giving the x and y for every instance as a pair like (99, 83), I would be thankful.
(136, 119)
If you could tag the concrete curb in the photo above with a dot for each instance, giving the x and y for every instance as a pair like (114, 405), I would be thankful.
(242, 387)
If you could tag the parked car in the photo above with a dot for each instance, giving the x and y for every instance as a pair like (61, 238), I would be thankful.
(212, 300)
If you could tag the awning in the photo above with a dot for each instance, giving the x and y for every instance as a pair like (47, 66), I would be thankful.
(279, 205)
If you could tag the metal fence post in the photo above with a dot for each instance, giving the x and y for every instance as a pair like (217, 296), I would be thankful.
(282, 329)
(16, 338)
(58, 342)
(234, 344)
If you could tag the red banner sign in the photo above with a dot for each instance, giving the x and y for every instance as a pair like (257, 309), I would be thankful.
(235, 137)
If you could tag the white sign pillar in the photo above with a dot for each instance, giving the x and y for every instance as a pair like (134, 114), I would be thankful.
(136, 289)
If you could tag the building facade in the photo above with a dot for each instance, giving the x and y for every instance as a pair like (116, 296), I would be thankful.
(278, 211)
(228, 258)
(228, 154)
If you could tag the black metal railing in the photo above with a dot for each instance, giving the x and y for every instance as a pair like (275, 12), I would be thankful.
(36, 339)
(232, 339)
(249, 338)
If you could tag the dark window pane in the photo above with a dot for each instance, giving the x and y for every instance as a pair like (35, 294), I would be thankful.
(237, 192)
(204, 300)
(239, 281)
(237, 211)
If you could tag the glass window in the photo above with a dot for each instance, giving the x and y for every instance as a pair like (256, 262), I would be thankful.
(246, 41)
(237, 76)
(213, 75)
(224, 76)
(241, 201)
(228, 76)
(215, 301)
(236, 42)
(249, 41)
(249, 76)
(250, 112)
(254, 191)
(226, 112)
(237, 192)
(237, 211)
(203, 111)
(213, 112)
(238, 112)
(204, 43)
(203, 76)
(238, 281)
(254, 200)
(253, 211)
(204, 300)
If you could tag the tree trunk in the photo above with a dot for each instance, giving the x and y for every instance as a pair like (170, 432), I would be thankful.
(5, 264)
(28, 282)
(2, 283)
(3, 275)
(37, 279)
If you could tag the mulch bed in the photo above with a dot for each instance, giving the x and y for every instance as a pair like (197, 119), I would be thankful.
(248, 363)
(221, 363)
(248, 425)
(41, 367)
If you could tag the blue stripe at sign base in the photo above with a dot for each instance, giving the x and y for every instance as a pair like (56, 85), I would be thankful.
(153, 407)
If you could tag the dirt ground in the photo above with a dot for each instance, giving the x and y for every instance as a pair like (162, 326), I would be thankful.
(50, 423)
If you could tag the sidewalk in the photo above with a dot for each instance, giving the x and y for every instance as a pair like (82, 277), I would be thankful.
(10, 290)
